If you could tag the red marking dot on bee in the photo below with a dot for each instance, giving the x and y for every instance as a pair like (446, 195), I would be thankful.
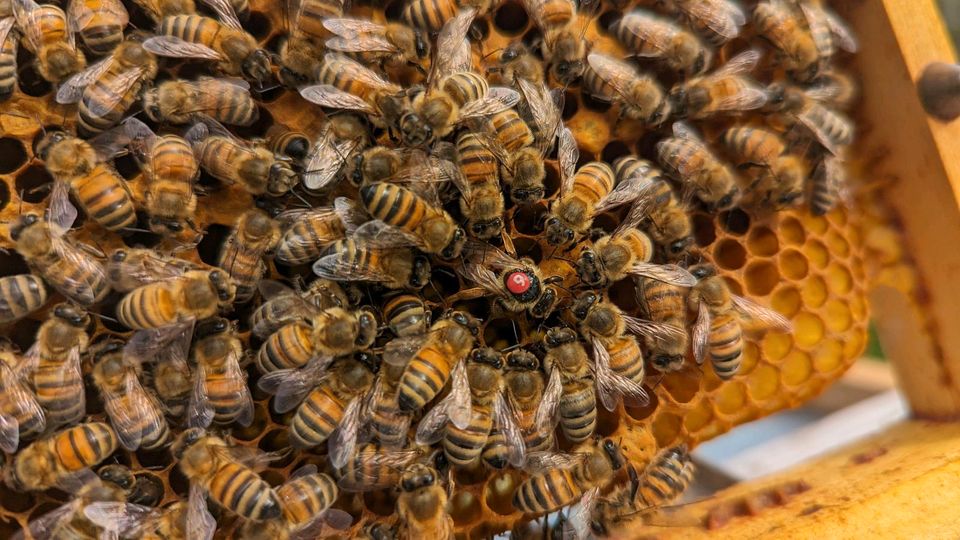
(518, 282)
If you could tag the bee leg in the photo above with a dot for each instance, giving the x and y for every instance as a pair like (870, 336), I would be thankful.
(468, 294)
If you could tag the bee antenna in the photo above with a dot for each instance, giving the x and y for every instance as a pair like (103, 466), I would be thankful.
(102, 316)
(306, 204)
(516, 335)
(484, 57)
(136, 229)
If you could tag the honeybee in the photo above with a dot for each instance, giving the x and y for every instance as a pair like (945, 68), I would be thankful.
(718, 20)
(828, 185)
(560, 479)
(20, 295)
(626, 252)
(180, 102)
(180, 300)
(720, 317)
(526, 387)
(220, 392)
(301, 53)
(431, 15)
(131, 520)
(387, 422)
(60, 458)
(651, 36)
(423, 225)
(51, 38)
(107, 89)
(232, 160)
(21, 416)
(341, 141)
(283, 305)
(781, 175)
(171, 169)
(102, 194)
(569, 396)
(461, 97)
(357, 260)
(563, 45)
(226, 474)
(446, 345)
(583, 196)
(306, 499)
(373, 467)
(285, 141)
(9, 43)
(666, 304)
(836, 88)
(254, 236)
(686, 157)
(640, 95)
(482, 402)
(600, 318)
(327, 334)
(392, 45)
(69, 521)
(224, 41)
(173, 378)
(329, 402)
(422, 505)
(308, 232)
(481, 200)
(157, 10)
(807, 35)
(517, 62)
(406, 315)
(805, 108)
(517, 285)
(135, 414)
(100, 23)
(667, 221)
(723, 91)
(52, 364)
(129, 268)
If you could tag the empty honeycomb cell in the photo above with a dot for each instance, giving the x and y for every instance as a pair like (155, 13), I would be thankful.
(642, 412)
(33, 183)
(666, 428)
(613, 150)
(808, 329)
(858, 307)
(796, 368)
(786, 300)
(500, 333)
(791, 231)
(551, 180)
(761, 277)
(763, 242)
(734, 285)
(382, 501)
(471, 475)
(817, 253)
(258, 25)
(623, 294)
(274, 478)
(11, 263)
(498, 492)
(510, 18)
(731, 397)
(729, 254)
(855, 343)
(816, 224)
(838, 217)
(465, 508)
(839, 279)
(608, 422)
(838, 245)
(528, 219)
(697, 418)
(828, 356)
(12, 155)
(837, 315)
(749, 358)
(570, 105)
(793, 264)
(763, 382)
(814, 292)
(16, 502)
(704, 232)
(682, 388)
(776, 345)
(735, 221)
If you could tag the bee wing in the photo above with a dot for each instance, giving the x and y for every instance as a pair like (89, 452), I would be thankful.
(72, 89)
(431, 426)
(9, 433)
(506, 419)
(611, 385)
(243, 398)
(61, 213)
(650, 329)
(199, 521)
(653, 30)
(326, 95)
(72, 256)
(47, 525)
(398, 351)
(667, 273)
(488, 255)
(449, 56)
(326, 160)
(121, 84)
(460, 403)
(748, 97)
(175, 47)
(482, 276)
(24, 11)
(225, 13)
(760, 315)
(567, 156)
(740, 64)
(619, 75)
(538, 462)
(577, 524)
(546, 416)
(373, 461)
(378, 234)
(199, 410)
(351, 69)
(627, 191)
(701, 332)
(544, 110)
(333, 267)
(355, 35)
(812, 121)
(343, 440)
(722, 17)
(128, 417)
(80, 14)
(139, 133)
(840, 31)
(291, 386)
(496, 100)
(122, 517)
(7, 24)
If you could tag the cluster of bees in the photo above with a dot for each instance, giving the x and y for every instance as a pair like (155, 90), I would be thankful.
(422, 157)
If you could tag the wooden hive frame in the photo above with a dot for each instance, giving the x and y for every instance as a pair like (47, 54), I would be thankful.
(900, 483)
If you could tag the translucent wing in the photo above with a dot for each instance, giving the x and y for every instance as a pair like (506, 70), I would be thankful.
(374, 461)
(543, 109)
(129, 417)
(544, 461)
(28, 21)
(488, 255)
(611, 385)
(507, 421)
(747, 98)
(481, 276)
(760, 315)
(627, 191)
(722, 17)
(47, 525)
(124, 518)
(7, 24)
(120, 85)
(460, 406)
(9, 433)
(378, 234)
(199, 521)
(448, 54)
(651, 329)
(356, 35)
(79, 291)
(619, 75)
(81, 14)
(336, 268)
(225, 13)
(399, 351)
(61, 213)
(701, 332)
(577, 524)
(138, 131)
(170, 343)
(343, 440)
(175, 47)
(110, 143)
(352, 69)
(567, 155)
(656, 32)
(812, 118)
(742, 63)
(326, 95)
(326, 159)
(496, 100)
(200, 410)
(841, 32)
(291, 386)
(546, 416)
(667, 273)
(242, 396)
(431, 427)
(72, 89)
(351, 213)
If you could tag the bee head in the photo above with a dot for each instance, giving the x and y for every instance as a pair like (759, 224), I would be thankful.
(487, 228)
(667, 362)
(522, 360)
(465, 320)
(558, 234)
(211, 327)
(422, 45)
(368, 360)
(118, 475)
(582, 305)
(420, 274)
(677, 247)
(488, 356)
(22, 224)
(223, 285)
(256, 67)
(703, 271)
(367, 328)
(414, 130)
(186, 439)
(588, 267)
(43, 145)
(455, 246)
(72, 315)
(418, 476)
(612, 451)
(558, 336)
(727, 200)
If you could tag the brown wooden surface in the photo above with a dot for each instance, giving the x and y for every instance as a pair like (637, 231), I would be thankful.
(922, 158)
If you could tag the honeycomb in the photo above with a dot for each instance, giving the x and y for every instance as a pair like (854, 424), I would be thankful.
(809, 268)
